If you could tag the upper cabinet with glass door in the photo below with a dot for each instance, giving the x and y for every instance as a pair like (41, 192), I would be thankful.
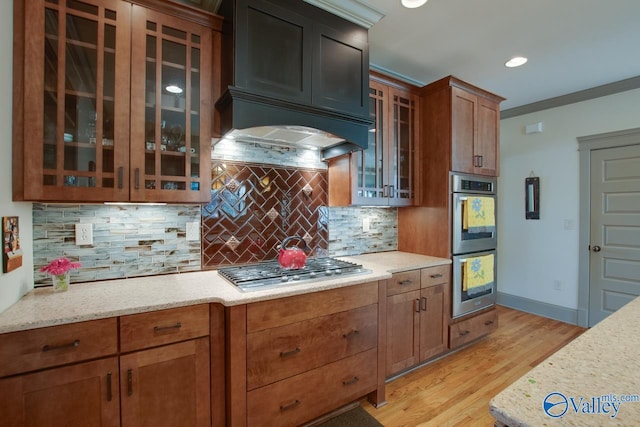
(83, 87)
(383, 173)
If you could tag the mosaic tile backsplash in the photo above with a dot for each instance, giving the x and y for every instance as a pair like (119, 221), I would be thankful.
(128, 240)
(346, 236)
(255, 207)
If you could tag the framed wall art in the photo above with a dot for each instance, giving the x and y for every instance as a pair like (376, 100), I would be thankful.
(12, 251)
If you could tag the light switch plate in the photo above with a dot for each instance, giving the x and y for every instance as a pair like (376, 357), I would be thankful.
(193, 231)
(84, 234)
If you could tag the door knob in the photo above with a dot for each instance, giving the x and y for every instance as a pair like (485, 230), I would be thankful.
(595, 248)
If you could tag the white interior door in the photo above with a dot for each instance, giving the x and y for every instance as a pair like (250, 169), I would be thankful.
(614, 265)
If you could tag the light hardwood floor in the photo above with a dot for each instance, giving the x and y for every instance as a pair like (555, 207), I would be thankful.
(456, 390)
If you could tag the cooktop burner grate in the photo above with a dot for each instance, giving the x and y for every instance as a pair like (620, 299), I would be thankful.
(269, 273)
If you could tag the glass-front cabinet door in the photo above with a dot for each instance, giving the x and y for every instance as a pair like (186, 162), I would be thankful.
(370, 165)
(402, 141)
(112, 102)
(385, 169)
(171, 100)
(76, 108)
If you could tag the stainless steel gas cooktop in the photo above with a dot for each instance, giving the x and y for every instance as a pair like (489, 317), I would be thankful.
(269, 274)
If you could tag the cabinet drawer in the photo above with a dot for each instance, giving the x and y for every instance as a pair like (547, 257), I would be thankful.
(468, 330)
(138, 331)
(403, 282)
(57, 345)
(435, 275)
(306, 396)
(282, 352)
(270, 314)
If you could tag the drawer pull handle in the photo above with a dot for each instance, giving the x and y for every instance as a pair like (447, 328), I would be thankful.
(178, 325)
(289, 406)
(488, 322)
(436, 276)
(351, 381)
(290, 352)
(129, 382)
(351, 334)
(407, 282)
(73, 344)
(109, 396)
(463, 333)
(424, 303)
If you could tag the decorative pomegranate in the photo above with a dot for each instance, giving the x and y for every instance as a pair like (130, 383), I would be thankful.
(293, 257)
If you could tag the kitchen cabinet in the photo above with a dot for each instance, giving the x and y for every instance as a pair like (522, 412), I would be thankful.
(383, 174)
(167, 381)
(294, 359)
(461, 129)
(416, 317)
(74, 375)
(49, 377)
(297, 52)
(472, 328)
(112, 101)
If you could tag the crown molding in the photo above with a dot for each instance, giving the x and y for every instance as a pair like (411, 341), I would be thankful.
(356, 11)
(571, 98)
(395, 75)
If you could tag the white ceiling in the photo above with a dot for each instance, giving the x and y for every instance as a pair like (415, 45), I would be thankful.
(572, 45)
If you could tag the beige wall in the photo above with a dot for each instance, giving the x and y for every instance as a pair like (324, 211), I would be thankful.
(16, 283)
(536, 257)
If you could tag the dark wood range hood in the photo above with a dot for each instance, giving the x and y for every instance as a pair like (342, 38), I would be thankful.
(290, 65)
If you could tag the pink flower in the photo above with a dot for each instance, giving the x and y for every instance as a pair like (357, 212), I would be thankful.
(60, 266)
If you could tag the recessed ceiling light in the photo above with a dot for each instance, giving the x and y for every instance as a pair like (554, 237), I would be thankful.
(412, 4)
(173, 89)
(516, 61)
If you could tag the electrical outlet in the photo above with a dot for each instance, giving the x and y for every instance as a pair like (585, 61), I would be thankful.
(84, 234)
(366, 224)
(193, 231)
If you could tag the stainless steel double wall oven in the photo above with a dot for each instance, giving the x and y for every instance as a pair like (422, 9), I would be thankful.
(474, 242)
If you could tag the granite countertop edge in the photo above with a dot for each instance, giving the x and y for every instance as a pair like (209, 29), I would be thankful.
(42, 307)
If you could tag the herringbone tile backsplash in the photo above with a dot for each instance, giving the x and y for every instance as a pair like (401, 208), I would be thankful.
(254, 207)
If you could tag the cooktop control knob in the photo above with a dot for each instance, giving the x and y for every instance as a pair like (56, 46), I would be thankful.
(338, 271)
(284, 279)
(296, 277)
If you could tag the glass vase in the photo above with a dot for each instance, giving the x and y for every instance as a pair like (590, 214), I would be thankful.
(60, 282)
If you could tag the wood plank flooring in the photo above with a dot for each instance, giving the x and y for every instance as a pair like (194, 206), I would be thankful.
(456, 390)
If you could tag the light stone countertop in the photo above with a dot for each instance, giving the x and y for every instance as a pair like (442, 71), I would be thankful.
(97, 300)
(599, 365)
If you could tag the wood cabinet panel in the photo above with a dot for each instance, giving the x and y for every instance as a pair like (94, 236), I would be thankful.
(281, 352)
(467, 330)
(80, 395)
(435, 275)
(138, 331)
(403, 323)
(167, 386)
(308, 395)
(433, 331)
(283, 311)
(57, 345)
(403, 282)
